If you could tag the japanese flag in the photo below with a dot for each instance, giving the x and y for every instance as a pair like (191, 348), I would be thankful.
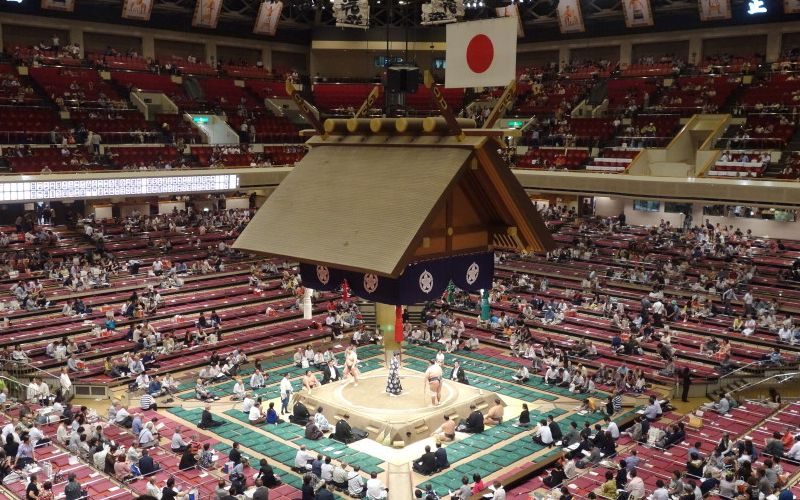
(481, 53)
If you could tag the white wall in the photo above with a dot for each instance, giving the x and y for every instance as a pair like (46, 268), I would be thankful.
(102, 212)
(240, 203)
(165, 207)
(128, 208)
(611, 207)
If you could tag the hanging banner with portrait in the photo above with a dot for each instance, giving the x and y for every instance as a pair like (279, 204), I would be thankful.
(351, 13)
(512, 10)
(638, 13)
(570, 19)
(442, 12)
(138, 10)
(269, 14)
(714, 10)
(60, 5)
(206, 13)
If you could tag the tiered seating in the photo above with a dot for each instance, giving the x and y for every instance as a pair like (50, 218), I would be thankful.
(422, 100)
(341, 96)
(590, 129)
(761, 130)
(116, 127)
(27, 124)
(16, 90)
(284, 155)
(265, 89)
(53, 157)
(247, 71)
(658, 463)
(553, 158)
(269, 129)
(179, 127)
(652, 69)
(148, 82)
(693, 94)
(76, 86)
(224, 93)
(741, 164)
(589, 70)
(729, 64)
(791, 169)
(612, 160)
(208, 155)
(772, 95)
(148, 155)
(119, 62)
(192, 68)
(67, 56)
(553, 96)
(629, 93)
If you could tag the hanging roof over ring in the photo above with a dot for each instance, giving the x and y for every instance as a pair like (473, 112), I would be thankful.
(393, 192)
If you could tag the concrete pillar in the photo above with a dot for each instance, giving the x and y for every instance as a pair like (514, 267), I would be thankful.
(266, 58)
(625, 53)
(774, 42)
(695, 49)
(211, 53)
(76, 36)
(307, 294)
(563, 56)
(148, 46)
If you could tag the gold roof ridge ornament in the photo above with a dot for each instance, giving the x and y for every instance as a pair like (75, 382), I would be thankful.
(376, 196)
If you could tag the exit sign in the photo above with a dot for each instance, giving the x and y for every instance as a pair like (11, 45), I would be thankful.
(516, 124)
(200, 119)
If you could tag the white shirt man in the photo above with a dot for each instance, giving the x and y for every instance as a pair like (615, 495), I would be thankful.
(238, 390)
(660, 494)
(66, 383)
(35, 435)
(793, 453)
(322, 422)
(499, 492)
(635, 487)
(375, 488)
(326, 472)
(546, 435)
(247, 404)
(551, 375)
(301, 459)
(145, 436)
(121, 415)
(178, 442)
(254, 414)
(613, 429)
(286, 387)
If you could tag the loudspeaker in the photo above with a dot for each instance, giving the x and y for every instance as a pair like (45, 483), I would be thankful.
(402, 79)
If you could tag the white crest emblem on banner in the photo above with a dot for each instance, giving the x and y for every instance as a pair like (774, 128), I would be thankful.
(426, 282)
(370, 283)
(473, 271)
(323, 275)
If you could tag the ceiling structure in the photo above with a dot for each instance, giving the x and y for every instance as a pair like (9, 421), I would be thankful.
(305, 19)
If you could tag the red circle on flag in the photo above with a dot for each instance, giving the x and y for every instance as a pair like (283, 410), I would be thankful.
(480, 53)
